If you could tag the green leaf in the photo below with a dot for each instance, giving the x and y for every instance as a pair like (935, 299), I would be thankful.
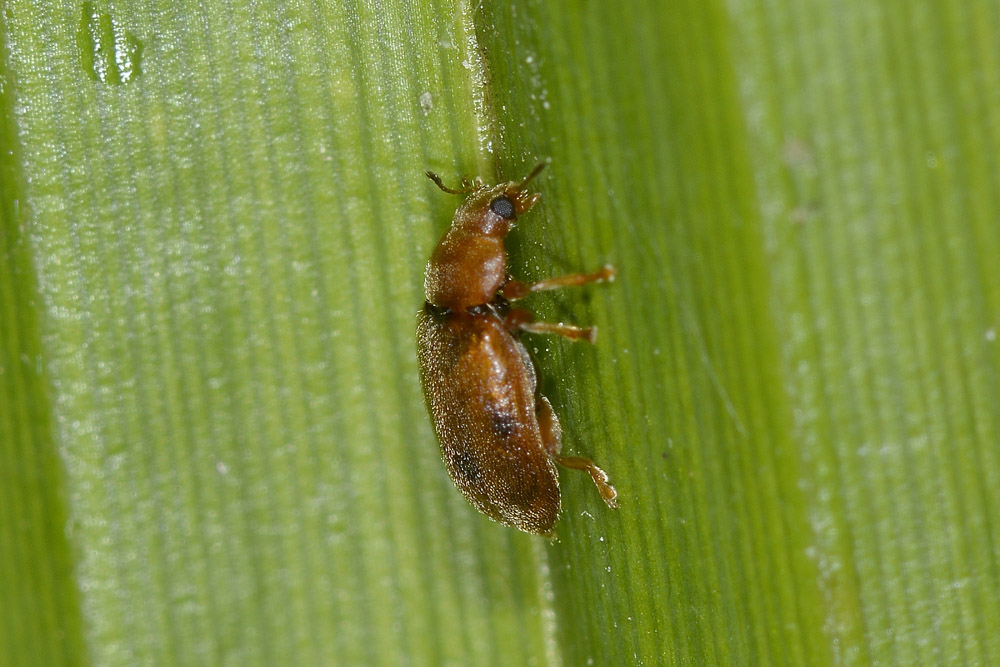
(213, 447)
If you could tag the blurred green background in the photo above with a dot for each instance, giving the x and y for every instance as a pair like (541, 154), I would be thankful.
(213, 447)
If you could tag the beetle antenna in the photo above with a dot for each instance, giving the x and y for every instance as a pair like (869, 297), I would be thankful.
(534, 172)
(466, 186)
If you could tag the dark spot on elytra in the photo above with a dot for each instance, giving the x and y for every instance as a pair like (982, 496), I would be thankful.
(466, 466)
(504, 423)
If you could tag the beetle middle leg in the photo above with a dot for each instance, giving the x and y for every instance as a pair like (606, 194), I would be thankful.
(524, 320)
(515, 289)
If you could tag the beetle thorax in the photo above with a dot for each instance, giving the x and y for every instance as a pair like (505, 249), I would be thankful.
(466, 270)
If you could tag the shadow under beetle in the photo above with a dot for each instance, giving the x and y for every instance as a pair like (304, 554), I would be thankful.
(500, 439)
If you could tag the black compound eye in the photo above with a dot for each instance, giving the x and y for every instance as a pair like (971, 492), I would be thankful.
(504, 207)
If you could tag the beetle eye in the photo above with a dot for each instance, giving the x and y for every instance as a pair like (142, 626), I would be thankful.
(504, 207)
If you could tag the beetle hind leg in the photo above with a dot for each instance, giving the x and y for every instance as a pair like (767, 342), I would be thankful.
(608, 492)
(548, 423)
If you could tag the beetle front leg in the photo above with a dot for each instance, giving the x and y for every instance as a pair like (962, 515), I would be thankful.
(515, 289)
(520, 319)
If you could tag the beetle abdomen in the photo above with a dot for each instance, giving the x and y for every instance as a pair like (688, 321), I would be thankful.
(480, 394)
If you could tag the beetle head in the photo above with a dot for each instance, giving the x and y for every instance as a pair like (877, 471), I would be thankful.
(494, 209)
(515, 198)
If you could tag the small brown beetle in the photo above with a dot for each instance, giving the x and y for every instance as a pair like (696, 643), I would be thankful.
(499, 438)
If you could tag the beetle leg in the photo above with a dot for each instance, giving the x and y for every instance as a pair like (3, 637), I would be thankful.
(515, 289)
(524, 320)
(600, 477)
(548, 422)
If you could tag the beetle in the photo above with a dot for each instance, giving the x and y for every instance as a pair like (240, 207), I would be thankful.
(499, 437)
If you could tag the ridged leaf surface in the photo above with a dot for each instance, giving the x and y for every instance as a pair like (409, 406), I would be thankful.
(213, 446)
